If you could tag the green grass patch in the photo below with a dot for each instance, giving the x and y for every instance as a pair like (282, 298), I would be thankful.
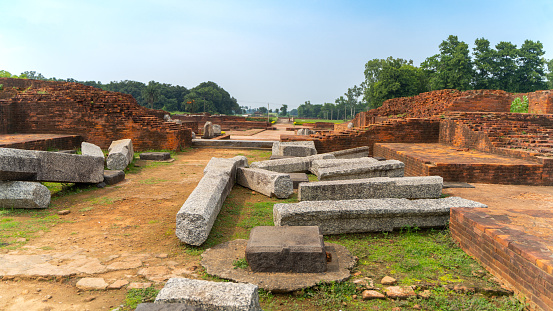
(19, 226)
(304, 121)
(137, 296)
(152, 181)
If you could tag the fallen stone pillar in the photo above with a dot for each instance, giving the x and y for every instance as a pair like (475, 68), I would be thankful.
(23, 194)
(426, 187)
(120, 155)
(294, 148)
(155, 156)
(370, 215)
(359, 152)
(266, 182)
(341, 169)
(197, 215)
(91, 150)
(31, 165)
(210, 295)
(290, 165)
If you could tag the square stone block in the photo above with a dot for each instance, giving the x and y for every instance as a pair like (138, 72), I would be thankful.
(297, 178)
(298, 249)
(155, 156)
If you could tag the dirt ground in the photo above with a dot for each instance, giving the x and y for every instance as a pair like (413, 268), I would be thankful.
(134, 220)
(132, 224)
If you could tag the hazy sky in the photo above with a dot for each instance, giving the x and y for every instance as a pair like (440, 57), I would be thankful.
(277, 52)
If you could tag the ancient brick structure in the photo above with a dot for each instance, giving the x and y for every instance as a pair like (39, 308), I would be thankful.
(196, 122)
(514, 256)
(31, 106)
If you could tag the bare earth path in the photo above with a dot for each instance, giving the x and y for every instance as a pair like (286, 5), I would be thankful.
(125, 232)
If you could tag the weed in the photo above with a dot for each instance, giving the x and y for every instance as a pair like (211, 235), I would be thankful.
(152, 181)
(240, 263)
(86, 209)
(136, 296)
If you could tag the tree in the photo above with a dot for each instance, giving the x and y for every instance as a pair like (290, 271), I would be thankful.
(452, 68)
(284, 110)
(550, 73)
(506, 69)
(262, 109)
(151, 93)
(530, 75)
(210, 97)
(484, 65)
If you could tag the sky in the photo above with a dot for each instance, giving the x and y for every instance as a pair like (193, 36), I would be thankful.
(276, 52)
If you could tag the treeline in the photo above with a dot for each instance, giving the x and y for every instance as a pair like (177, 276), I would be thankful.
(504, 67)
(207, 96)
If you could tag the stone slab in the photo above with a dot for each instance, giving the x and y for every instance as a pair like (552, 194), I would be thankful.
(426, 187)
(279, 148)
(32, 165)
(370, 215)
(23, 194)
(298, 178)
(91, 150)
(359, 152)
(271, 184)
(197, 215)
(343, 169)
(112, 177)
(92, 284)
(457, 184)
(210, 295)
(120, 155)
(290, 165)
(167, 307)
(219, 261)
(155, 156)
(297, 249)
(277, 157)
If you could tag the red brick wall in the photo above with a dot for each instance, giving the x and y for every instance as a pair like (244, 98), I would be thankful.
(400, 130)
(515, 257)
(70, 142)
(196, 122)
(98, 116)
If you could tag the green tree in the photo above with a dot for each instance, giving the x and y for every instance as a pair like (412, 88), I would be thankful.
(530, 75)
(484, 65)
(284, 110)
(210, 97)
(452, 68)
(262, 109)
(506, 69)
(151, 93)
(550, 73)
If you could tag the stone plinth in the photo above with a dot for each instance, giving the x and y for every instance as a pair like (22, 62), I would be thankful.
(286, 249)
(428, 187)
(266, 182)
(155, 156)
(341, 169)
(290, 165)
(113, 177)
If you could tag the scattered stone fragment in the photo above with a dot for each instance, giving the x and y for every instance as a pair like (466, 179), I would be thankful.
(92, 284)
(216, 130)
(305, 132)
(266, 182)
(155, 156)
(359, 168)
(370, 215)
(137, 285)
(167, 307)
(120, 155)
(388, 280)
(118, 284)
(23, 194)
(290, 165)
(365, 282)
(400, 292)
(425, 294)
(298, 178)
(210, 295)
(91, 150)
(294, 148)
(372, 294)
(208, 130)
(112, 177)
(89, 299)
(64, 212)
(425, 187)
(359, 152)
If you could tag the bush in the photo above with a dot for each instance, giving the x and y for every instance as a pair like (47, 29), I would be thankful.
(520, 106)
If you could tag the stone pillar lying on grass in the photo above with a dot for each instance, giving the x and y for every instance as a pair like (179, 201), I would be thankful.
(197, 215)
(23, 194)
(341, 169)
(210, 295)
(359, 152)
(426, 187)
(31, 165)
(371, 215)
(290, 165)
(266, 182)
(294, 148)
(120, 155)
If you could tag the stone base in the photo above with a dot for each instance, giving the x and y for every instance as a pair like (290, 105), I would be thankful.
(297, 178)
(219, 261)
(155, 156)
(286, 249)
(112, 177)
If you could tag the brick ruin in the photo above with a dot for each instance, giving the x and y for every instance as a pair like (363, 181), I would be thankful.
(99, 117)
(227, 123)
(477, 120)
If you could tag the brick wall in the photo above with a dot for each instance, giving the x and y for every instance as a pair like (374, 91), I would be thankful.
(98, 116)
(69, 142)
(196, 122)
(398, 130)
(517, 258)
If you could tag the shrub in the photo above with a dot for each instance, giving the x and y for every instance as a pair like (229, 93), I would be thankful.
(520, 106)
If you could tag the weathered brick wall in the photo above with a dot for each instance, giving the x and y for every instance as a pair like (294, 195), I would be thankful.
(517, 258)
(68, 142)
(196, 122)
(539, 102)
(400, 130)
(98, 116)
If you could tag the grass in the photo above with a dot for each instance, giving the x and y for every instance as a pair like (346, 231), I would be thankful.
(19, 226)
(240, 263)
(137, 296)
